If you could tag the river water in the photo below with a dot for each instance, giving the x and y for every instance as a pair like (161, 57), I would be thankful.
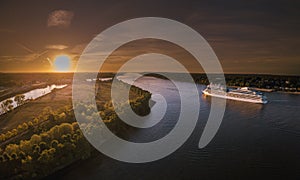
(254, 141)
(31, 95)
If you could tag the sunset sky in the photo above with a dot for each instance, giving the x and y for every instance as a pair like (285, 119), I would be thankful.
(255, 36)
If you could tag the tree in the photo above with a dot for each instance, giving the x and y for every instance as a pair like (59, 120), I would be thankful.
(30, 124)
(25, 146)
(22, 155)
(8, 134)
(7, 105)
(3, 108)
(6, 156)
(45, 156)
(35, 121)
(36, 148)
(43, 146)
(14, 132)
(45, 137)
(35, 139)
(2, 137)
(20, 128)
(20, 99)
(14, 155)
(36, 151)
(65, 128)
(25, 126)
(12, 148)
(54, 143)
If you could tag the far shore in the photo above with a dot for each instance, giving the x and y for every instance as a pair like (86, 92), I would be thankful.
(267, 90)
(287, 92)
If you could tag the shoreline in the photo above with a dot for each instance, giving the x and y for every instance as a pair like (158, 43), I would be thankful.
(123, 129)
(288, 92)
(252, 88)
(28, 111)
(13, 91)
(267, 90)
(95, 154)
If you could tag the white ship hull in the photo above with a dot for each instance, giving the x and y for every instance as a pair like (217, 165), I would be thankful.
(259, 101)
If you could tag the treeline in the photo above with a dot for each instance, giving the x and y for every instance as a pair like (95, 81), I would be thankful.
(47, 119)
(275, 82)
(53, 140)
(44, 153)
(25, 79)
(37, 147)
(7, 105)
(138, 98)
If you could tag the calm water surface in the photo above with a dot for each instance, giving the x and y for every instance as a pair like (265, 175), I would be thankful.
(33, 94)
(254, 141)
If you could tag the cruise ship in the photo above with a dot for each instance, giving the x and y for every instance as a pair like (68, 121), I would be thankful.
(239, 94)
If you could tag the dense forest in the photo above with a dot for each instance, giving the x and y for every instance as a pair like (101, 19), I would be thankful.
(274, 82)
(25, 81)
(53, 139)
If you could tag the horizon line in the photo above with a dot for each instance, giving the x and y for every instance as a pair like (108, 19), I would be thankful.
(69, 72)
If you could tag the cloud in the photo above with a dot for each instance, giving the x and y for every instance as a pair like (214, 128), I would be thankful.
(20, 58)
(60, 18)
(56, 46)
(25, 47)
(77, 49)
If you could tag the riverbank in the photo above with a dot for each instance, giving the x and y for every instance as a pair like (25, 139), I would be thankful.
(276, 83)
(285, 92)
(253, 141)
(63, 147)
(29, 110)
(12, 84)
(13, 91)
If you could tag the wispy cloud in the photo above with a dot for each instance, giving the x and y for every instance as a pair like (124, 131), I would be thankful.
(60, 18)
(19, 58)
(56, 46)
(29, 50)
(25, 47)
(31, 56)
(77, 49)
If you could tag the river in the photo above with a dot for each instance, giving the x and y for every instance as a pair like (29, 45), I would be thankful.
(31, 95)
(254, 141)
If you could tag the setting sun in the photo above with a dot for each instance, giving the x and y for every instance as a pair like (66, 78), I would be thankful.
(62, 63)
(140, 89)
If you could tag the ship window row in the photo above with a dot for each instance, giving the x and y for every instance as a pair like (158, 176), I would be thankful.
(244, 96)
(244, 92)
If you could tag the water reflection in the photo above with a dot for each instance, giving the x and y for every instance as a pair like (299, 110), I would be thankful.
(31, 95)
(244, 108)
(253, 140)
